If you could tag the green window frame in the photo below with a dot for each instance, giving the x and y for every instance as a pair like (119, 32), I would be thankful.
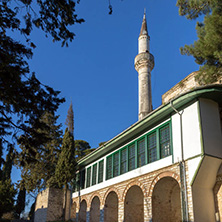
(141, 150)
(152, 147)
(109, 167)
(94, 174)
(88, 177)
(100, 173)
(116, 164)
(131, 157)
(165, 148)
(82, 178)
(148, 148)
(123, 161)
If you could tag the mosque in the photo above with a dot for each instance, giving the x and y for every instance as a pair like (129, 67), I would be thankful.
(164, 168)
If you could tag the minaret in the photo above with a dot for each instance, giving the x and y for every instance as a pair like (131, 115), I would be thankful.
(144, 63)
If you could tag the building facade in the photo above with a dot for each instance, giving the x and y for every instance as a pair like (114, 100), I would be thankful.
(166, 166)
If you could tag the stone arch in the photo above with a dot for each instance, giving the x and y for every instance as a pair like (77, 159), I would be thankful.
(73, 210)
(94, 195)
(82, 211)
(166, 203)
(95, 209)
(111, 207)
(160, 176)
(134, 204)
(133, 183)
(107, 193)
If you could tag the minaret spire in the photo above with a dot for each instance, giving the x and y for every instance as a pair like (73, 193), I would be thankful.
(144, 63)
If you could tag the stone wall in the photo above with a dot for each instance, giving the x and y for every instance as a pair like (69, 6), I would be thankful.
(182, 87)
(49, 205)
(146, 184)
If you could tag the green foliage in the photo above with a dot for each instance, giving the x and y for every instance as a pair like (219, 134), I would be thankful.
(7, 167)
(82, 148)
(20, 202)
(7, 194)
(65, 169)
(207, 50)
(23, 98)
(70, 119)
(39, 173)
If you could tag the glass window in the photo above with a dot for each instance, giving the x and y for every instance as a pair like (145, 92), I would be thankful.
(109, 167)
(141, 153)
(100, 176)
(82, 178)
(88, 177)
(116, 164)
(132, 157)
(94, 174)
(123, 167)
(152, 152)
(165, 141)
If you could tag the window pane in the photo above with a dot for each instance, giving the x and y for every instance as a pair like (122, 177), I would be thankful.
(100, 177)
(88, 178)
(116, 164)
(152, 154)
(123, 161)
(132, 157)
(141, 153)
(94, 175)
(165, 141)
(82, 178)
(109, 166)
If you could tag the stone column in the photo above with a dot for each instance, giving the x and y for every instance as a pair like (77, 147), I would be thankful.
(120, 211)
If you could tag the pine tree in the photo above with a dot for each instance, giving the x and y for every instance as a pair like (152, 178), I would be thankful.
(39, 173)
(65, 169)
(207, 50)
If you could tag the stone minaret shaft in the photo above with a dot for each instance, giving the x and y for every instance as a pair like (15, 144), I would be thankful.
(144, 63)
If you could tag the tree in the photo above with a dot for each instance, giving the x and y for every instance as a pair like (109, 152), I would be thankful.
(7, 167)
(65, 169)
(82, 148)
(70, 119)
(20, 203)
(39, 173)
(7, 194)
(207, 50)
(23, 99)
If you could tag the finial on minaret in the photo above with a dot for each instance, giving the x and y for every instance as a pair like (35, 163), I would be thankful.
(144, 63)
(143, 30)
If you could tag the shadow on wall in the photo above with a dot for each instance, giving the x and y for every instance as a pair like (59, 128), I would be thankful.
(40, 215)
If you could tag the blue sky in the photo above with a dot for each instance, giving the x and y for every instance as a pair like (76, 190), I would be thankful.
(97, 70)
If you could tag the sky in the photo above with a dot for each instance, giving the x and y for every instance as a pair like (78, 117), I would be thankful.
(96, 72)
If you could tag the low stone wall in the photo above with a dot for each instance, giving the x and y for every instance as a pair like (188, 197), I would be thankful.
(49, 205)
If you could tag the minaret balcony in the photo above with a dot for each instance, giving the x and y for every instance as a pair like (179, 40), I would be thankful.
(144, 58)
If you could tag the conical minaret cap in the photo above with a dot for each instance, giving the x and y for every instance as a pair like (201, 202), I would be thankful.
(144, 30)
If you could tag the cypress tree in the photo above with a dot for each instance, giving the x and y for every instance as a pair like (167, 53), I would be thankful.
(65, 169)
(20, 202)
(7, 167)
(70, 119)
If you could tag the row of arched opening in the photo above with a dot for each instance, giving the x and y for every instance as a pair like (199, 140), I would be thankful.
(166, 204)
